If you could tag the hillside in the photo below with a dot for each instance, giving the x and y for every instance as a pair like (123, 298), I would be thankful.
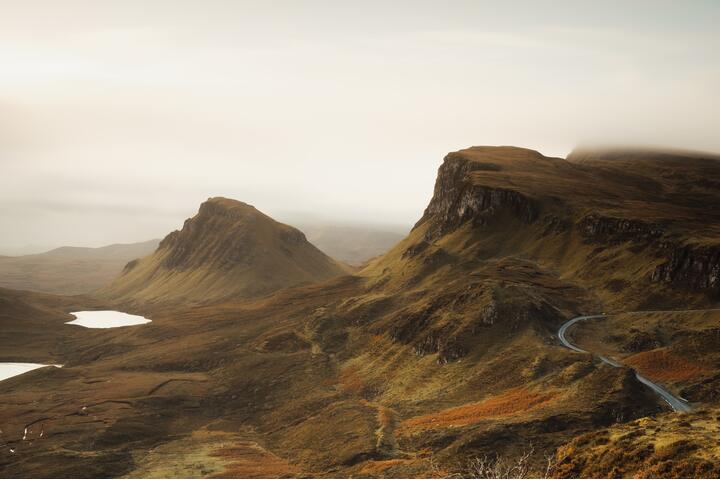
(31, 324)
(228, 250)
(635, 231)
(70, 270)
(664, 446)
(512, 244)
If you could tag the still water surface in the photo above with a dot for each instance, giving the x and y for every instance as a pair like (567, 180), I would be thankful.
(9, 369)
(106, 319)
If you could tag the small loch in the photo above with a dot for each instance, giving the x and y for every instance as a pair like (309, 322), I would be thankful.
(9, 369)
(106, 319)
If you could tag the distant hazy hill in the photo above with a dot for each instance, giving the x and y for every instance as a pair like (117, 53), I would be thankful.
(353, 244)
(70, 270)
(228, 250)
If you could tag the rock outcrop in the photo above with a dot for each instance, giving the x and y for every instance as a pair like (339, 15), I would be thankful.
(694, 268)
(457, 200)
(600, 229)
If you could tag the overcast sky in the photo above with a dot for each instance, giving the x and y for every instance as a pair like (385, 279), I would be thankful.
(117, 118)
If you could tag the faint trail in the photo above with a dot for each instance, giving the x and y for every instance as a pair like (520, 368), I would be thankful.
(162, 384)
(677, 404)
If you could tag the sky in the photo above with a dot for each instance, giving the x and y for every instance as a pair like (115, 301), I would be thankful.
(118, 118)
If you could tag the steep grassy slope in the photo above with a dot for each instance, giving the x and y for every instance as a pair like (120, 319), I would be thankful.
(228, 250)
(70, 270)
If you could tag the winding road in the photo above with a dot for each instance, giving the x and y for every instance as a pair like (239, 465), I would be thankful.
(675, 403)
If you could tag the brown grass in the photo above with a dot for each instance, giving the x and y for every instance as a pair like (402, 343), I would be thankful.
(512, 401)
(377, 467)
(675, 461)
(385, 417)
(662, 365)
(249, 460)
(403, 467)
(350, 380)
(665, 446)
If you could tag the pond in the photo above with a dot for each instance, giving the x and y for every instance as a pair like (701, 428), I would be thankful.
(106, 319)
(8, 369)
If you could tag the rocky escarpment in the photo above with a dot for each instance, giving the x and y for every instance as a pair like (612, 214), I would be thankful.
(457, 200)
(694, 268)
(686, 267)
(601, 229)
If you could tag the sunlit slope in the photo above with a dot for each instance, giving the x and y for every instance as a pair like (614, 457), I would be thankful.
(228, 250)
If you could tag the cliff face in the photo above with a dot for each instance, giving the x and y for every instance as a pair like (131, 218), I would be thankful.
(600, 229)
(687, 267)
(457, 200)
(696, 268)
(229, 249)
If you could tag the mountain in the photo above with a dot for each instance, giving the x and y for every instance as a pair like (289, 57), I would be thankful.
(513, 244)
(70, 270)
(641, 228)
(228, 250)
(441, 358)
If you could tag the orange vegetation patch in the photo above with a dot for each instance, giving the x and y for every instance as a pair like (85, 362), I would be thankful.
(250, 460)
(377, 467)
(662, 365)
(403, 467)
(512, 401)
(350, 380)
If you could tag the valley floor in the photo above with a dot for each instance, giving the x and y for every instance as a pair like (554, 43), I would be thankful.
(290, 385)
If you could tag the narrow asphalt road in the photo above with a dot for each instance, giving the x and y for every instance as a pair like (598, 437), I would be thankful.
(675, 403)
